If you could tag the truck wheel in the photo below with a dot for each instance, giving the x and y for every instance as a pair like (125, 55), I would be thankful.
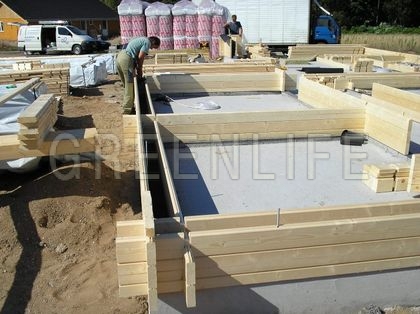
(77, 49)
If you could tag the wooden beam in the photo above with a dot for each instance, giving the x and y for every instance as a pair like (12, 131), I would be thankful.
(190, 298)
(414, 175)
(240, 240)
(397, 96)
(321, 96)
(214, 82)
(167, 175)
(303, 257)
(209, 68)
(269, 218)
(198, 127)
(308, 273)
(16, 91)
(389, 123)
(55, 143)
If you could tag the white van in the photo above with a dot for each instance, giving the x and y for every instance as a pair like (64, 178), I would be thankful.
(53, 38)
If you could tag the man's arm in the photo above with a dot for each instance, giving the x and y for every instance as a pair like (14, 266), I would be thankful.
(139, 65)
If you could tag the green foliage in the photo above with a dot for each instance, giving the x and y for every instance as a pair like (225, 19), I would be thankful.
(373, 12)
(383, 28)
(111, 3)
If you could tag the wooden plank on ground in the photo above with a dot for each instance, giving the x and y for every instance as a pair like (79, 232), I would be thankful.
(19, 89)
(55, 143)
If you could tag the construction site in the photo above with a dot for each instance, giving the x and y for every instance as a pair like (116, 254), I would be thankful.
(262, 185)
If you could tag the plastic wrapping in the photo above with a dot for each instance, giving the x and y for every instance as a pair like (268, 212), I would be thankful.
(157, 8)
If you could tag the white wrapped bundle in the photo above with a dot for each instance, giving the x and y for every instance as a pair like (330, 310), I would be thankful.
(191, 28)
(206, 7)
(124, 7)
(157, 8)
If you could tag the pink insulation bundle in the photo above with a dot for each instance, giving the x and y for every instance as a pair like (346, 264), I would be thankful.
(125, 20)
(126, 28)
(217, 29)
(159, 23)
(185, 25)
(138, 20)
(179, 25)
(204, 27)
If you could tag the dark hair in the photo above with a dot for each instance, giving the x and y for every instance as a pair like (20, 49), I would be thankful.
(155, 41)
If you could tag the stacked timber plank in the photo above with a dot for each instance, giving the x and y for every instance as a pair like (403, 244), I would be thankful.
(209, 68)
(362, 65)
(56, 79)
(414, 176)
(131, 249)
(37, 120)
(310, 52)
(36, 137)
(386, 177)
(258, 51)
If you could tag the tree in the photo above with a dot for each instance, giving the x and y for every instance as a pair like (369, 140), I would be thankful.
(111, 3)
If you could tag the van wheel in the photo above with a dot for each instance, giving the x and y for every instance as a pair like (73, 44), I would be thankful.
(77, 49)
(28, 53)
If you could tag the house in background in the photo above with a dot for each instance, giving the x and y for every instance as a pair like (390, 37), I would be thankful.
(92, 16)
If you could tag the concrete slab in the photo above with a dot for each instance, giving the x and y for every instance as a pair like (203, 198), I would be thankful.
(247, 177)
(231, 103)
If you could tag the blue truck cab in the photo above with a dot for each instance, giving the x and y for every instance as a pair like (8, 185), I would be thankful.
(326, 30)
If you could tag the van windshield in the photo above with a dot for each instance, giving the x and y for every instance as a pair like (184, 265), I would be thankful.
(75, 30)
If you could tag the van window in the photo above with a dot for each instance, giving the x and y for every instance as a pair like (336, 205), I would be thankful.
(1, 27)
(75, 30)
(63, 31)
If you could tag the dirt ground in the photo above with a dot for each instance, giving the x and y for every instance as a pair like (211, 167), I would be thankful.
(57, 223)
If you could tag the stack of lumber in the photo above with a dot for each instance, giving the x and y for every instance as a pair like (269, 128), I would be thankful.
(171, 57)
(56, 79)
(258, 51)
(362, 65)
(414, 176)
(386, 177)
(26, 65)
(310, 52)
(131, 250)
(37, 120)
(401, 176)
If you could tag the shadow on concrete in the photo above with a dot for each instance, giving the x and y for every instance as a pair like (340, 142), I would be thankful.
(193, 193)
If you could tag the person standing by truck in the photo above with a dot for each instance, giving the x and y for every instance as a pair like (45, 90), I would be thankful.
(130, 62)
(234, 27)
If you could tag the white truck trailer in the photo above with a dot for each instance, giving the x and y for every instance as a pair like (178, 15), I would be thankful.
(282, 22)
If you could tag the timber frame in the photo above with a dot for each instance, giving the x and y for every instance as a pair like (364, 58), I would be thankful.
(184, 254)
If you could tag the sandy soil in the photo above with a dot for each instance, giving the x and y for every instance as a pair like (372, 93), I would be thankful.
(57, 223)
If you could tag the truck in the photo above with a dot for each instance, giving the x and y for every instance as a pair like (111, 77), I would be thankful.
(57, 36)
(283, 22)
